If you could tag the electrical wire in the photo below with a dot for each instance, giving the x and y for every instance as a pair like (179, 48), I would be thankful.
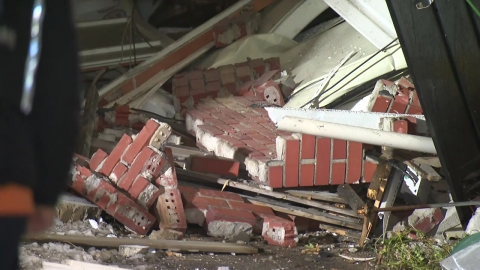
(350, 73)
(475, 9)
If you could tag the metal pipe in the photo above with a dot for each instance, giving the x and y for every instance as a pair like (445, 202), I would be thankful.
(357, 134)
(423, 206)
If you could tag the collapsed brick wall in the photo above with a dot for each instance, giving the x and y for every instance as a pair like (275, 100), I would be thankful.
(230, 128)
(189, 88)
(135, 179)
(225, 214)
(235, 128)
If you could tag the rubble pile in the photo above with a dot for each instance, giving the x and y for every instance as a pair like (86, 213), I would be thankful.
(242, 133)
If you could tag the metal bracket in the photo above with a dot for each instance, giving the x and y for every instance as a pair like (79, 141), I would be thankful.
(421, 6)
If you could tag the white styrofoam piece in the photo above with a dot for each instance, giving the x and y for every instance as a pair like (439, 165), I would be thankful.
(351, 118)
(369, 17)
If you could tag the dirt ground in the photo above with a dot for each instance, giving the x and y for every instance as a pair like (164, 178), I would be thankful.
(270, 257)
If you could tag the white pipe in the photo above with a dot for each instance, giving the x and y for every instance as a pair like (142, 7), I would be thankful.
(357, 134)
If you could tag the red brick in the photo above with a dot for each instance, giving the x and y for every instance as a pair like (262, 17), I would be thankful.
(244, 74)
(196, 74)
(338, 173)
(212, 75)
(209, 129)
(153, 166)
(339, 149)
(180, 81)
(245, 88)
(113, 202)
(97, 159)
(368, 171)
(118, 172)
(203, 202)
(229, 215)
(149, 195)
(404, 82)
(215, 165)
(307, 172)
(200, 115)
(138, 186)
(427, 223)
(272, 93)
(355, 158)
(255, 209)
(275, 176)
(415, 107)
(227, 78)
(141, 140)
(292, 162)
(220, 194)
(231, 141)
(256, 145)
(381, 104)
(258, 65)
(181, 92)
(126, 182)
(243, 129)
(115, 155)
(168, 178)
(187, 190)
(170, 211)
(399, 103)
(213, 88)
(240, 136)
(273, 63)
(322, 172)
(278, 231)
(78, 182)
(308, 146)
(400, 126)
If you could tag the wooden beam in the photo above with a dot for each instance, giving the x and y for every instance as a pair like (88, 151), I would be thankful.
(176, 52)
(211, 179)
(352, 198)
(109, 242)
(317, 195)
(314, 214)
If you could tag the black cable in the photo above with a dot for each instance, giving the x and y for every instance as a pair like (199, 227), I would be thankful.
(350, 73)
(139, 32)
(132, 36)
(363, 89)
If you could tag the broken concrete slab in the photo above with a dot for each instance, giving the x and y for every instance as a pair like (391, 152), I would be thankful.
(131, 250)
(72, 208)
(166, 235)
(425, 220)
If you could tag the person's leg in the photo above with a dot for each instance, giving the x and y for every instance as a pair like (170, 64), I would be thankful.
(11, 231)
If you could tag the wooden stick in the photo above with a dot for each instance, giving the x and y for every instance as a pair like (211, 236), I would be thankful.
(110, 242)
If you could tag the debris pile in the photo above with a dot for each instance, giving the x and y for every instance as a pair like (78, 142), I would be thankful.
(249, 130)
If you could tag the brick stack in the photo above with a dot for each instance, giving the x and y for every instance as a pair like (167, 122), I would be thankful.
(401, 98)
(225, 213)
(230, 128)
(189, 88)
(132, 178)
(232, 29)
(121, 117)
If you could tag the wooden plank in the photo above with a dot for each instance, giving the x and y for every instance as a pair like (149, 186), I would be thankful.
(341, 231)
(199, 38)
(109, 242)
(211, 179)
(287, 208)
(350, 196)
(317, 195)
(441, 96)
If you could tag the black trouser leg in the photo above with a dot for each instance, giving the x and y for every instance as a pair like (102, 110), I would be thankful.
(11, 231)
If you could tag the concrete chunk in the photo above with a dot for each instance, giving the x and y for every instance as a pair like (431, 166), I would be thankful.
(72, 208)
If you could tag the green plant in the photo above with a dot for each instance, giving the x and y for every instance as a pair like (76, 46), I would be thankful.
(402, 252)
